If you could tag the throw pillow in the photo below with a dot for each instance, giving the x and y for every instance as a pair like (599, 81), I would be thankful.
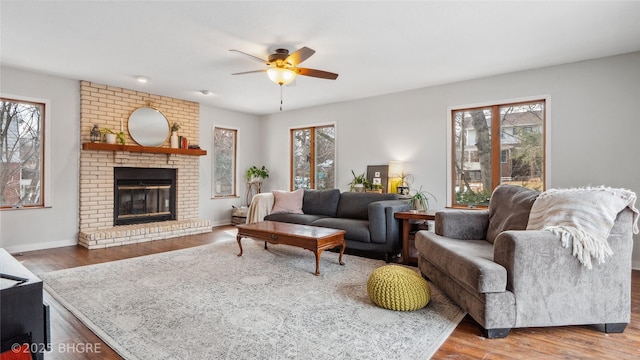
(285, 202)
(509, 209)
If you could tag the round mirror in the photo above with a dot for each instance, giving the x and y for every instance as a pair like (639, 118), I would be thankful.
(148, 127)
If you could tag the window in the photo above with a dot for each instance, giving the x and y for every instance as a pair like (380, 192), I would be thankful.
(508, 143)
(313, 154)
(21, 153)
(504, 155)
(224, 162)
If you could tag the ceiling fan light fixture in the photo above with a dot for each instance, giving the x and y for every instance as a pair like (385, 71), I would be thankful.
(281, 76)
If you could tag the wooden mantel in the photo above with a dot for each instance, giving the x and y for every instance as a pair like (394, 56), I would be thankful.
(142, 149)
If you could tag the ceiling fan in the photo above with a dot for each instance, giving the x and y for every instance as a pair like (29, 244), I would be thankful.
(283, 67)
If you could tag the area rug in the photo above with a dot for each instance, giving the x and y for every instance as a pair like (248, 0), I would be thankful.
(207, 303)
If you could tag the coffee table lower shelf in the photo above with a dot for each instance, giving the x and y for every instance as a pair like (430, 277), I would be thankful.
(313, 238)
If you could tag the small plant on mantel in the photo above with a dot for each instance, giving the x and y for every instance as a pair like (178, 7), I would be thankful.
(120, 136)
(175, 127)
(255, 174)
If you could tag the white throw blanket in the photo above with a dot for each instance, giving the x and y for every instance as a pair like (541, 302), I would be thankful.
(585, 216)
(260, 207)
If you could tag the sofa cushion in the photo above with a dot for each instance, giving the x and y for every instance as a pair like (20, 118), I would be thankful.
(354, 205)
(287, 202)
(509, 209)
(356, 230)
(303, 219)
(321, 202)
(469, 262)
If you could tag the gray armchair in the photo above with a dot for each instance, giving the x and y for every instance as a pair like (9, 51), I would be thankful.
(507, 277)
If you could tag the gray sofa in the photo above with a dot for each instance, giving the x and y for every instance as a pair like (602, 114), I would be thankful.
(507, 277)
(367, 218)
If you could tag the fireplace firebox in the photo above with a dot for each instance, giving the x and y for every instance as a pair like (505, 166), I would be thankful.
(144, 195)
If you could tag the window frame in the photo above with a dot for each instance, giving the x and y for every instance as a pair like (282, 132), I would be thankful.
(495, 138)
(312, 144)
(235, 163)
(45, 134)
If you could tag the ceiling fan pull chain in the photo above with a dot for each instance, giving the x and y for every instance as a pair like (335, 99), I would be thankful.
(280, 97)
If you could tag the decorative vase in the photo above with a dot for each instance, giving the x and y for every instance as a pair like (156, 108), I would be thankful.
(174, 140)
(358, 187)
(110, 138)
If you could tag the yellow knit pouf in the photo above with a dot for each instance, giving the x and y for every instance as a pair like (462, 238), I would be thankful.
(398, 288)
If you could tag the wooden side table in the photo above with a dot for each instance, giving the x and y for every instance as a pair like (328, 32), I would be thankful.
(409, 251)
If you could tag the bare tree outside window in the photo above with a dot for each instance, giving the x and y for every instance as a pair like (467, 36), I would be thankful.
(325, 158)
(21, 153)
(493, 145)
(224, 162)
(313, 158)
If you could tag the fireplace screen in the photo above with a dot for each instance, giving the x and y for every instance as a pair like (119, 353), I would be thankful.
(143, 200)
(144, 195)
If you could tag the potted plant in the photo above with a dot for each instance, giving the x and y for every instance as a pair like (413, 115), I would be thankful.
(374, 188)
(173, 139)
(255, 174)
(358, 183)
(404, 183)
(420, 200)
(110, 136)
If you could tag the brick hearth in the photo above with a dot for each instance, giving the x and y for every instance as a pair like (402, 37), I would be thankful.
(132, 234)
(106, 106)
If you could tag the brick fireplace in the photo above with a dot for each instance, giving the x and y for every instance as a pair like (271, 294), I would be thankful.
(107, 106)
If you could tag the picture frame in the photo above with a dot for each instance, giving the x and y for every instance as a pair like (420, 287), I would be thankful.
(378, 174)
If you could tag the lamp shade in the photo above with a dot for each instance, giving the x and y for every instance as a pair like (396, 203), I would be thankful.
(395, 169)
(281, 76)
(395, 173)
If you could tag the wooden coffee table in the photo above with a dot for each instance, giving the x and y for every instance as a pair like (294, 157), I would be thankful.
(316, 239)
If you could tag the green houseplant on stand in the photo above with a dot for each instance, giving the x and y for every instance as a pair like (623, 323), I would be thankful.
(255, 174)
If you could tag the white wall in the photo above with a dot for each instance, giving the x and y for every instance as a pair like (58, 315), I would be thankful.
(24, 230)
(595, 107)
(249, 143)
(594, 127)
(29, 229)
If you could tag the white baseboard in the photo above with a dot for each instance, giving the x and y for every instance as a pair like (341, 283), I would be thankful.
(40, 246)
(220, 223)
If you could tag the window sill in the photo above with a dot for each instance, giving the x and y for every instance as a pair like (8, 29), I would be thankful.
(7, 208)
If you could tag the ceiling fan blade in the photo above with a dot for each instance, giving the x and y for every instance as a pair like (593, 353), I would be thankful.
(249, 72)
(299, 56)
(251, 56)
(316, 73)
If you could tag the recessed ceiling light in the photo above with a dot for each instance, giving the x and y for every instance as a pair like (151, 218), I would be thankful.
(142, 79)
(206, 92)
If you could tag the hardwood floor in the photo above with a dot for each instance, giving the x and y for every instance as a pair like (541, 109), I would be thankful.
(72, 340)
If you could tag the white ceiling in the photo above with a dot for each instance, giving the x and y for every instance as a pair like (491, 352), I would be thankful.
(376, 47)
